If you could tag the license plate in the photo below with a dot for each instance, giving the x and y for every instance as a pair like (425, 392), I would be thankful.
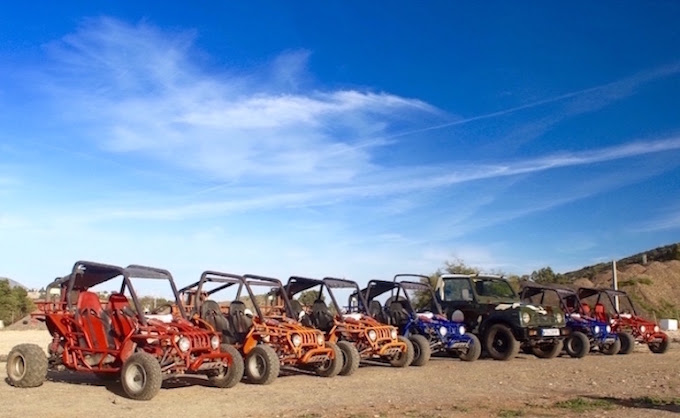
(609, 340)
(460, 345)
(550, 332)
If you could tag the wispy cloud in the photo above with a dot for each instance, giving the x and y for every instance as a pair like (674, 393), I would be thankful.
(143, 93)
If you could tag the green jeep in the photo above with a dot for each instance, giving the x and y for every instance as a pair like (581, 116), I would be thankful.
(493, 311)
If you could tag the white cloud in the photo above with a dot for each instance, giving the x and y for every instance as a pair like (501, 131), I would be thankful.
(142, 91)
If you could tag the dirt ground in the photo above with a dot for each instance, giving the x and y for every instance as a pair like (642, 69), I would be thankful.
(640, 384)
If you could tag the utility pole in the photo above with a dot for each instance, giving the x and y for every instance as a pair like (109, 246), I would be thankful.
(616, 285)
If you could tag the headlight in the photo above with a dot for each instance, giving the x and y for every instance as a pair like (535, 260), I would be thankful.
(526, 318)
(372, 335)
(319, 339)
(656, 328)
(559, 318)
(297, 340)
(461, 330)
(443, 331)
(643, 328)
(596, 329)
(394, 334)
(608, 329)
(184, 344)
(215, 342)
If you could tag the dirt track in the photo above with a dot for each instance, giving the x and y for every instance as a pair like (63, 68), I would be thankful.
(525, 386)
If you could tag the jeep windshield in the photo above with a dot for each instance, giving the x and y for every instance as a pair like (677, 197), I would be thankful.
(493, 287)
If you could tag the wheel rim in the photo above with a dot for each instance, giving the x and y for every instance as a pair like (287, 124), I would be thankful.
(500, 343)
(257, 366)
(575, 345)
(18, 367)
(135, 378)
(416, 351)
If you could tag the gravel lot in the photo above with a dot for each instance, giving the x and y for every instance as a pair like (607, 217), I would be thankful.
(640, 384)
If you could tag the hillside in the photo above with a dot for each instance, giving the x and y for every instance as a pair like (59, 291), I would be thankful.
(12, 283)
(654, 286)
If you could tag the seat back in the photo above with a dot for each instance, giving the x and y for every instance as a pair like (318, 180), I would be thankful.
(600, 313)
(398, 314)
(95, 322)
(297, 309)
(375, 310)
(123, 317)
(321, 316)
(239, 321)
(585, 308)
(211, 313)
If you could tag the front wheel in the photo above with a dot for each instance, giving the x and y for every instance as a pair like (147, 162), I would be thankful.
(405, 358)
(26, 366)
(611, 348)
(660, 347)
(474, 349)
(500, 343)
(548, 350)
(331, 367)
(141, 376)
(234, 373)
(577, 345)
(350, 358)
(627, 343)
(421, 350)
(262, 365)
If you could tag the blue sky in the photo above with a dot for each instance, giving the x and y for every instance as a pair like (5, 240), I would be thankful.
(336, 138)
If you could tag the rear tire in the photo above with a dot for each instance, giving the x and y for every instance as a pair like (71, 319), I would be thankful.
(234, 372)
(548, 350)
(405, 358)
(611, 349)
(26, 366)
(474, 349)
(141, 376)
(421, 350)
(659, 348)
(500, 343)
(262, 365)
(332, 366)
(627, 343)
(577, 345)
(350, 358)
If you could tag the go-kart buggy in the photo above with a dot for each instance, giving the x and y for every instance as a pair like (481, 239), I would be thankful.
(357, 335)
(493, 311)
(429, 331)
(268, 336)
(625, 321)
(117, 340)
(586, 332)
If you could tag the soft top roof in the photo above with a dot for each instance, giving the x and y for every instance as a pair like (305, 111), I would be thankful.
(378, 287)
(334, 282)
(88, 274)
(584, 292)
(297, 284)
(536, 288)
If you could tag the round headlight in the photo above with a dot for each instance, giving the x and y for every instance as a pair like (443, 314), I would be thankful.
(296, 339)
(608, 329)
(559, 318)
(656, 328)
(443, 331)
(643, 328)
(461, 330)
(394, 334)
(372, 335)
(319, 339)
(215, 342)
(596, 329)
(526, 318)
(184, 344)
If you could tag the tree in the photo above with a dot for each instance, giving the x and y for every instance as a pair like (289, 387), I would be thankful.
(547, 275)
(14, 302)
(308, 297)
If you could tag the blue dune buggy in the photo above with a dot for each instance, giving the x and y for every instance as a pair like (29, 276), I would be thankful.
(429, 331)
(587, 333)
